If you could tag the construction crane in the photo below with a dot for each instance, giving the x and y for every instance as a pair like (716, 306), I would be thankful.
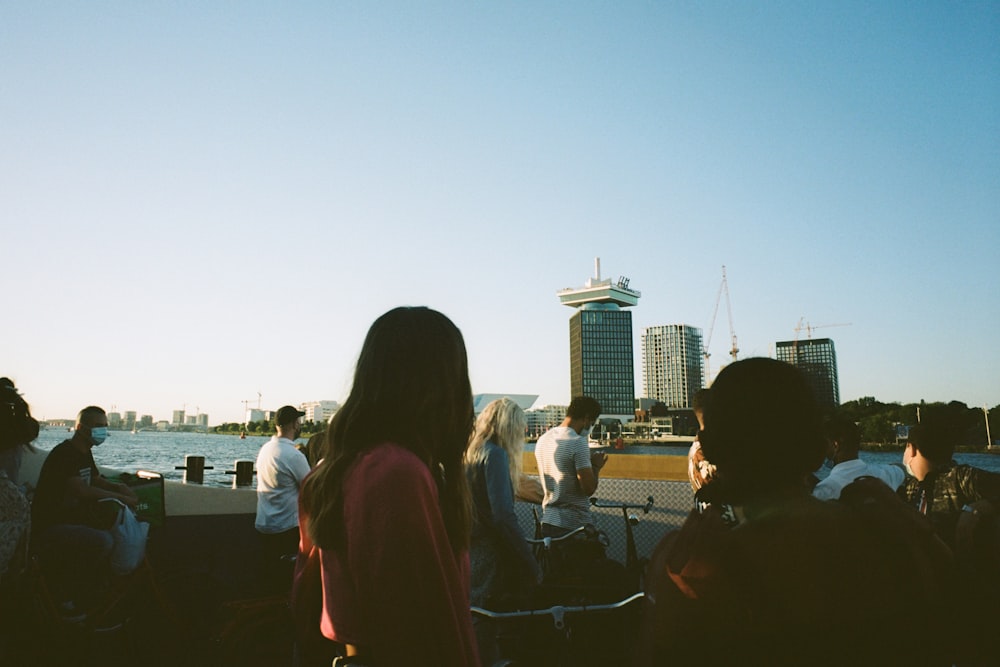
(734, 350)
(810, 328)
(809, 333)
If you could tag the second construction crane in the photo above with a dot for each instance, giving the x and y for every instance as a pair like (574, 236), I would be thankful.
(734, 350)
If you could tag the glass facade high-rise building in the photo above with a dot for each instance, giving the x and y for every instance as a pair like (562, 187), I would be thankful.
(817, 359)
(602, 362)
(673, 368)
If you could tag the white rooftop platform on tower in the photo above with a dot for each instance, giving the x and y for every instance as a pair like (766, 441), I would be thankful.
(600, 291)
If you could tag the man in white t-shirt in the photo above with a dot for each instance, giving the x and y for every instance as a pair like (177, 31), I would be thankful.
(568, 469)
(843, 439)
(281, 467)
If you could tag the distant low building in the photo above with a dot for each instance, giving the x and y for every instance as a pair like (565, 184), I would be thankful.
(542, 419)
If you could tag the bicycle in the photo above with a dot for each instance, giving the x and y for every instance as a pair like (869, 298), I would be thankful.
(589, 639)
(575, 567)
(634, 565)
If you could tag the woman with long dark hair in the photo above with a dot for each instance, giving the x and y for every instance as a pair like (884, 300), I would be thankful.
(386, 514)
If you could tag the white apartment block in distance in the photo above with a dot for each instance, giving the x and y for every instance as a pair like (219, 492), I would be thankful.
(673, 367)
(541, 420)
(319, 411)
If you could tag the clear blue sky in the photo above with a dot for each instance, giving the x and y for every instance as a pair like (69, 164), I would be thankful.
(200, 201)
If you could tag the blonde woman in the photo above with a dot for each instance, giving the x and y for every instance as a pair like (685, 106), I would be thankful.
(502, 562)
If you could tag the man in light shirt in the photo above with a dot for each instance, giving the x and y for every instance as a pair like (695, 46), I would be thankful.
(843, 441)
(568, 469)
(281, 467)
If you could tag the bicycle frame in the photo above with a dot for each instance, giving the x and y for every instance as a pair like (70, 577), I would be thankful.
(636, 566)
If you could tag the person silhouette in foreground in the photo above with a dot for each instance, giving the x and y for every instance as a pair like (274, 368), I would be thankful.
(961, 502)
(17, 430)
(383, 566)
(771, 588)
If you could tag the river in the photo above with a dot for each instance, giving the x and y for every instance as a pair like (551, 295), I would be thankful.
(163, 451)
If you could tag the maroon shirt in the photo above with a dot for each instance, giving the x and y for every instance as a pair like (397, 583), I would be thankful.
(398, 590)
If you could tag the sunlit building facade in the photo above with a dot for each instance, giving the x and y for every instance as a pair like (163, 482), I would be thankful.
(673, 368)
(319, 411)
(817, 359)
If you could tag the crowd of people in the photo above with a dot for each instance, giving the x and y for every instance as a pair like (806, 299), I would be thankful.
(401, 515)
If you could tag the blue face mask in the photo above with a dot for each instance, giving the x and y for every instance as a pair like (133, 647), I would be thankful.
(98, 434)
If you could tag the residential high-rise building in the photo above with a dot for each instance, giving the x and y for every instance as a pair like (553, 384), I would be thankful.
(817, 359)
(178, 419)
(600, 342)
(673, 367)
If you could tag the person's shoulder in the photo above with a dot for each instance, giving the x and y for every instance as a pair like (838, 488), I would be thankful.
(495, 451)
(566, 435)
(269, 447)
(389, 461)
(827, 489)
(62, 446)
(63, 451)
(892, 474)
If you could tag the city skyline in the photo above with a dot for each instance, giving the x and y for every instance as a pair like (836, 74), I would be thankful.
(204, 202)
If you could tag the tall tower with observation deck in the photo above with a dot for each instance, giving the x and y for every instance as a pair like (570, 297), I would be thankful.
(601, 363)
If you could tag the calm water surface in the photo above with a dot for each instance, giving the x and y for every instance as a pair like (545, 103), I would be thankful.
(161, 452)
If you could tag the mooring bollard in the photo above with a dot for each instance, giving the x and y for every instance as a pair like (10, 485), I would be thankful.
(243, 472)
(194, 469)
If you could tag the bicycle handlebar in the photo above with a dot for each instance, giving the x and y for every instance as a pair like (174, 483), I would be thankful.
(558, 612)
(596, 502)
(548, 541)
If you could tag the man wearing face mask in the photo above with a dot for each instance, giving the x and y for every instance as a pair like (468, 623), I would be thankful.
(73, 549)
(281, 467)
(568, 469)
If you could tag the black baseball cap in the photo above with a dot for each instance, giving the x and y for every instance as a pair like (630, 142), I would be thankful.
(287, 415)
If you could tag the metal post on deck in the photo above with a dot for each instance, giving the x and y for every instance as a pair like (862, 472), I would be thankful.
(244, 474)
(194, 469)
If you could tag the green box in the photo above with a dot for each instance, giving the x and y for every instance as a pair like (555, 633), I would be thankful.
(149, 487)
